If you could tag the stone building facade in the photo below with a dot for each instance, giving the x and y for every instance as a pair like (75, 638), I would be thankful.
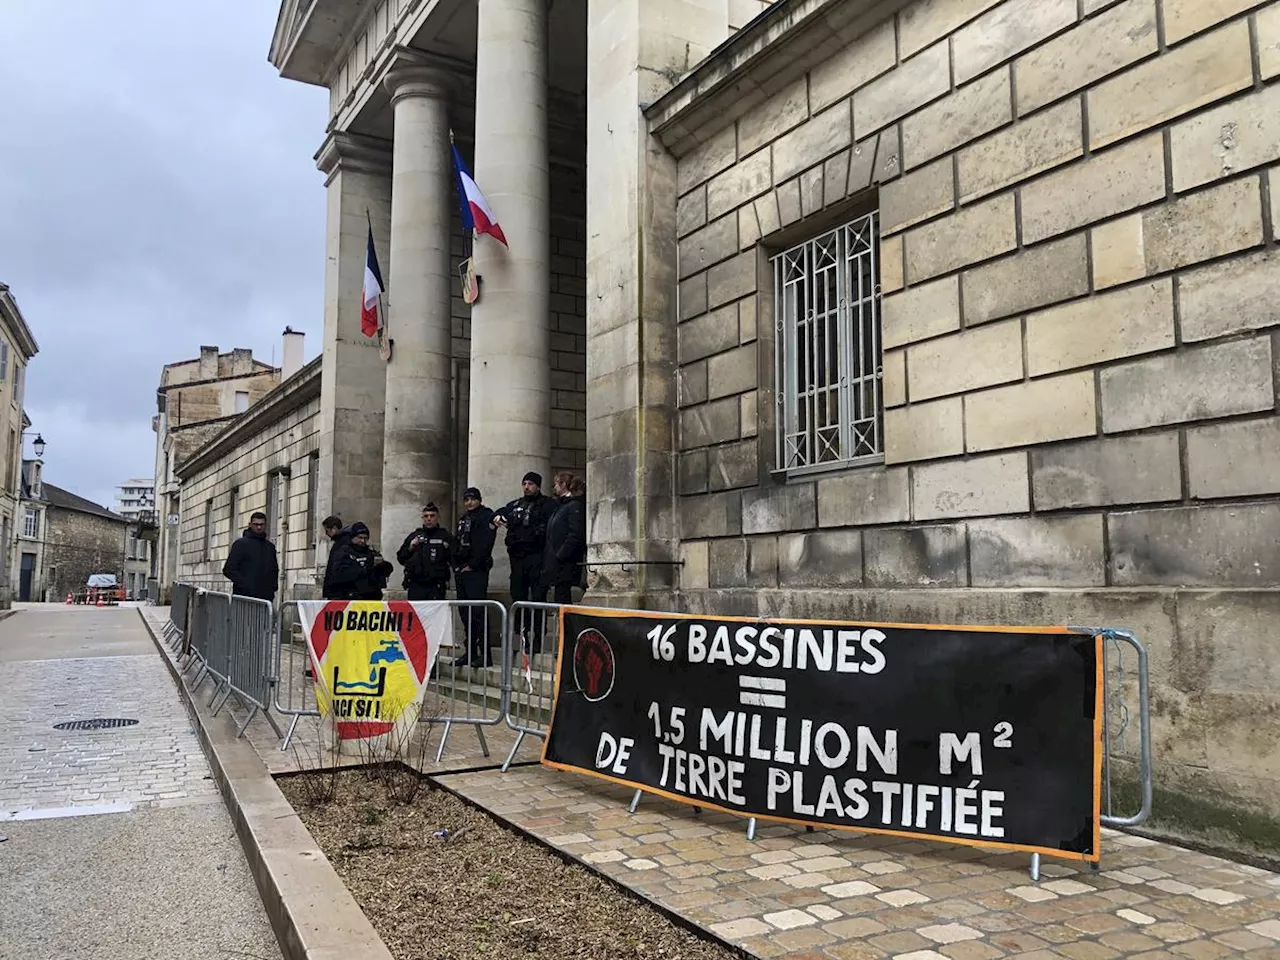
(81, 538)
(267, 459)
(920, 310)
(195, 400)
(17, 347)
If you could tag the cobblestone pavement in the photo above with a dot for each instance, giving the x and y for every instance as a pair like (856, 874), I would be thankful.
(157, 872)
(156, 763)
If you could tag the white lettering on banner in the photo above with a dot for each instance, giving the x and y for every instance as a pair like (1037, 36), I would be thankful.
(838, 650)
(614, 753)
(740, 735)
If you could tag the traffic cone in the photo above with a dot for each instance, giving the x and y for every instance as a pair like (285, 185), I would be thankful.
(70, 599)
(100, 603)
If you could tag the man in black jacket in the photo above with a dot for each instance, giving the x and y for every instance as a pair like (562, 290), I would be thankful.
(471, 564)
(333, 529)
(359, 572)
(525, 521)
(251, 566)
(427, 556)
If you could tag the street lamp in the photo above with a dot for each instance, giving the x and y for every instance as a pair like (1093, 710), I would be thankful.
(38, 445)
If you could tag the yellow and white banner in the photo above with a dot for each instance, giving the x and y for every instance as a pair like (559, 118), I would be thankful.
(371, 660)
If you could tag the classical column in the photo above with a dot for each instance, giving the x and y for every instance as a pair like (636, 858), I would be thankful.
(417, 420)
(510, 416)
(353, 376)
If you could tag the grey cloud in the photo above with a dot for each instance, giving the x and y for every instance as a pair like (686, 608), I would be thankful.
(158, 193)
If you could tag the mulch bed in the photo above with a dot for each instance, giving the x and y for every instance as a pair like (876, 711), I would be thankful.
(479, 890)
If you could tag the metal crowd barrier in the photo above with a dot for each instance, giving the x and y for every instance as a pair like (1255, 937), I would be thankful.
(175, 628)
(290, 676)
(531, 647)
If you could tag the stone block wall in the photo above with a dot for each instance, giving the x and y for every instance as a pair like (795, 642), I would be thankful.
(77, 545)
(290, 441)
(1080, 319)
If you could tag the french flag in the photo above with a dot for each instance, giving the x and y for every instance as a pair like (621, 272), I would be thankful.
(476, 215)
(370, 305)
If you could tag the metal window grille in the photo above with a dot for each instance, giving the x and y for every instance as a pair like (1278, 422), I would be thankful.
(827, 350)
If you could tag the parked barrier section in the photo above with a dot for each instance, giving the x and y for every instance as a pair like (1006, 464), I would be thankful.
(530, 670)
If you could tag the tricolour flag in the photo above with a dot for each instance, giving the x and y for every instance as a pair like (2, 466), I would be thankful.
(476, 214)
(371, 304)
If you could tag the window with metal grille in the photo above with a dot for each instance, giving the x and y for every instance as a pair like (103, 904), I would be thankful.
(827, 350)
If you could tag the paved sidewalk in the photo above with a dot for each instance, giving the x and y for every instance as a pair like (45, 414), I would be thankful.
(118, 843)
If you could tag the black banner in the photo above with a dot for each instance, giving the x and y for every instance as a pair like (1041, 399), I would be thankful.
(981, 736)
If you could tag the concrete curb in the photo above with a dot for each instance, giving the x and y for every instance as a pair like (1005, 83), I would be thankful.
(311, 911)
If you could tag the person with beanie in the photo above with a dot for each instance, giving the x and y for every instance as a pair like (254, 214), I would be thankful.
(471, 565)
(359, 572)
(566, 538)
(427, 557)
(525, 520)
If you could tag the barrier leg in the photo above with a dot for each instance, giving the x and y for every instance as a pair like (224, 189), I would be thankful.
(244, 726)
(1035, 868)
(225, 694)
(444, 737)
(272, 720)
(288, 737)
(512, 755)
(635, 801)
(484, 744)
(751, 830)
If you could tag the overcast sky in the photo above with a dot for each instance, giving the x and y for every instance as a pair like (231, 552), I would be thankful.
(157, 193)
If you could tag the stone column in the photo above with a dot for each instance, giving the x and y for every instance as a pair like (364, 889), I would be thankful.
(632, 46)
(417, 426)
(510, 426)
(353, 378)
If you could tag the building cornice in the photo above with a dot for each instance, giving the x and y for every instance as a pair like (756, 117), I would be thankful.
(16, 325)
(295, 392)
(760, 60)
(355, 152)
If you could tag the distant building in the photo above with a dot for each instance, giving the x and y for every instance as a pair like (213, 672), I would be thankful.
(135, 498)
(195, 401)
(17, 347)
(64, 539)
(136, 502)
(28, 567)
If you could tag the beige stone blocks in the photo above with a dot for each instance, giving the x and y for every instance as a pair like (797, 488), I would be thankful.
(977, 232)
(1111, 326)
(1268, 27)
(890, 264)
(981, 486)
(1108, 183)
(865, 497)
(893, 382)
(715, 242)
(1044, 274)
(1203, 225)
(1024, 414)
(811, 142)
(707, 334)
(707, 160)
(1010, 28)
(709, 423)
(984, 357)
(1037, 552)
(1204, 70)
(1234, 459)
(771, 119)
(731, 279)
(1094, 49)
(921, 194)
(738, 184)
(1046, 140)
(924, 431)
(914, 83)
(1119, 254)
(1232, 296)
(852, 66)
(1114, 470)
(691, 212)
(920, 24)
(923, 311)
(1195, 383)
(732, 372)
(968, 113)
(1183, 18)
(693, 384)
(694, 572)
(1199, 545)
(1237, 136)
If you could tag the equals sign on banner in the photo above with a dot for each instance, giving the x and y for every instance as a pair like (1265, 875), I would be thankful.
(762, 692)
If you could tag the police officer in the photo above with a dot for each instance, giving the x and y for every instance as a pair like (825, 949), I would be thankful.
(525, 521)
(471, 563)
(427, 557)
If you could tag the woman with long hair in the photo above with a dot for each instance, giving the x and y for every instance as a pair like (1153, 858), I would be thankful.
(566, 538)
